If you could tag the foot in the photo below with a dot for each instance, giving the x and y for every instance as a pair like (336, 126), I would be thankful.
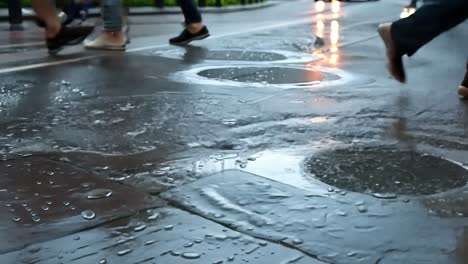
(67, 36)
(463, 89)
(394, 55)
(186, 36)
(108, 41)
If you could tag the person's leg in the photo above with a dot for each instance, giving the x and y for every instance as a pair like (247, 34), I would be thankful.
(113, 37)
(58, 36)
(193, 18)
(428, 22)
(45, 10)
(15, 16)
(406, 36)
(194, 27)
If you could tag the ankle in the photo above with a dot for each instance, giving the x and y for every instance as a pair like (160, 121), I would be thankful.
(52, 29)
(194, 27)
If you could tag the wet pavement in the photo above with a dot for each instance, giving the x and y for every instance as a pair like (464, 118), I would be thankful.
(275, 141)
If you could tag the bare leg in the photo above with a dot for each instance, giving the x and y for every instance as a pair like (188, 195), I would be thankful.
(46, 11)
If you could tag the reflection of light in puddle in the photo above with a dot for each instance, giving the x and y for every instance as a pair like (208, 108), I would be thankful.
(335, 6)
(319, 6)
(334, 37)
(334, 58)
(283, 165)
(320, 29)
(319, 119)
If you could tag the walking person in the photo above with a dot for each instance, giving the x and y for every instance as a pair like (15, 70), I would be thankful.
(57, 36)
(115, 36)
(407, 35)
(194, 27)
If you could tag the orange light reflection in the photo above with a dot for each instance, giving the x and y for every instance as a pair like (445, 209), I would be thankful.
(335, 6)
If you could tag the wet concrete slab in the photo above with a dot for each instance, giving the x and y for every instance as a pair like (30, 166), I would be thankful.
(335, 226)
(41, 200)
(165, 235)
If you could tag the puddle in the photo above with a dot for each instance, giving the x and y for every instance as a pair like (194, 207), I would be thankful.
(285, 77)
(196, 54)
(386, 169)
(265, 75)
(282, 165)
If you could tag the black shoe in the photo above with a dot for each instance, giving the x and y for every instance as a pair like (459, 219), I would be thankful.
(186, 37)
(68, 36)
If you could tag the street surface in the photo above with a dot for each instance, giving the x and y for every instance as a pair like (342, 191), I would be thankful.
(279, 139)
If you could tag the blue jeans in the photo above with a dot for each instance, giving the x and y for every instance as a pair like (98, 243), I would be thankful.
(111, 11)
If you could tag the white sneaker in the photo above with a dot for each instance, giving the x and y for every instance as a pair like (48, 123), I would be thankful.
(102, 43)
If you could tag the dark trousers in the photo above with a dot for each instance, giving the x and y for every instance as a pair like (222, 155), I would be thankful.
(429, 21)
(191, 12)
(15, 15)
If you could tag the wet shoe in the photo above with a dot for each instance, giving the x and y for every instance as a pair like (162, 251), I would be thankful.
(186, 37)
(68, 36)
(394, 55)
(102, 43)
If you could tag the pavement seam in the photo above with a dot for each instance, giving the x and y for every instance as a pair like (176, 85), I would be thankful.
(280, 243)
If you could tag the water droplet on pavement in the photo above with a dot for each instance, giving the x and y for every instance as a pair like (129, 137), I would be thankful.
(124, 252)
(362, 208)
(229, 122)
(150, 242)
(140, 227)
(384, 195)
(103, 261)
(16, 219)
(297, 241)
(153, 216)
(191, 255)
(36, 219)
(168, 227)
(99, 194)
(88, 214)
(188, 245)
